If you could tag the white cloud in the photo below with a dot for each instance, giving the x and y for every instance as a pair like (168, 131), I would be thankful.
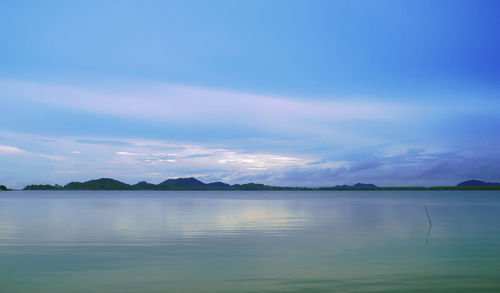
(134, 160)
(199, 156)
(11, 150)
(154, 160)
(168, 102)
(50, 157)
(126, 154)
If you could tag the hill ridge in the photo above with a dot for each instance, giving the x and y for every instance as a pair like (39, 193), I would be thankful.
(191, 183)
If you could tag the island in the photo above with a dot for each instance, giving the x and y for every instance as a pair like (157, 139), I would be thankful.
(195, 184)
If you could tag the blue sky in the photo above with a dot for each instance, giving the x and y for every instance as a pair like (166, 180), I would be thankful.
(307, 93)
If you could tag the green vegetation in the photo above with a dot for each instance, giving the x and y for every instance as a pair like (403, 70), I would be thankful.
(194, 184)
(3, 188)
(170, 184)
(43, 187)
(99, 184)
(415, 188)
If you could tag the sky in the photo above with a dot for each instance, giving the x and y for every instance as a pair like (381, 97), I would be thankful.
(290, 93)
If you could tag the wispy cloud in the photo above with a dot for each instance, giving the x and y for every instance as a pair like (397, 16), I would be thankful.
(126, 154)
(181, 103)
(11, 150)
(152, 160)
(156, 160)
(290, 141)
(103, 142)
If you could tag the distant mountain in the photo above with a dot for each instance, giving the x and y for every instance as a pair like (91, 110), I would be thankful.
(43, 187)
(195, 184)
(169, 184)
(477, 183)
(98, 184)
(257, 186)
(182, 183)
(143, 185)
(357, 185)
(3, 187)
(364, 185)
(220, 185)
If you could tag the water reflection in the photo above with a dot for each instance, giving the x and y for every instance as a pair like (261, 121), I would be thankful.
(156, 218)
(265, 241)
(6, 231)
(143, 219)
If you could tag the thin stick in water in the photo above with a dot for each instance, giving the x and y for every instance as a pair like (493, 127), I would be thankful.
(428, 217)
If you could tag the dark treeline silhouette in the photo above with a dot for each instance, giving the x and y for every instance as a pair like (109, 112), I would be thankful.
(195, 184)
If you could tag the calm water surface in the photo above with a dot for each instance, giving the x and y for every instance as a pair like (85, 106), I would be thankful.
(276, 241)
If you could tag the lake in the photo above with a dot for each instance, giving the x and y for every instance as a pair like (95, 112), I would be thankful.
(245, 241)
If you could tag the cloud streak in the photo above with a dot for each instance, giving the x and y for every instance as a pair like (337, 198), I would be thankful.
(153, 160)
(132, 160)
(285, 141)
(10, 150)
(170, 102)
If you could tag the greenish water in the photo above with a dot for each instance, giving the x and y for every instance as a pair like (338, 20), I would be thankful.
(373, 241)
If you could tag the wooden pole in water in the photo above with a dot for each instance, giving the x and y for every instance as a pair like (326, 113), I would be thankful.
(428, 217)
